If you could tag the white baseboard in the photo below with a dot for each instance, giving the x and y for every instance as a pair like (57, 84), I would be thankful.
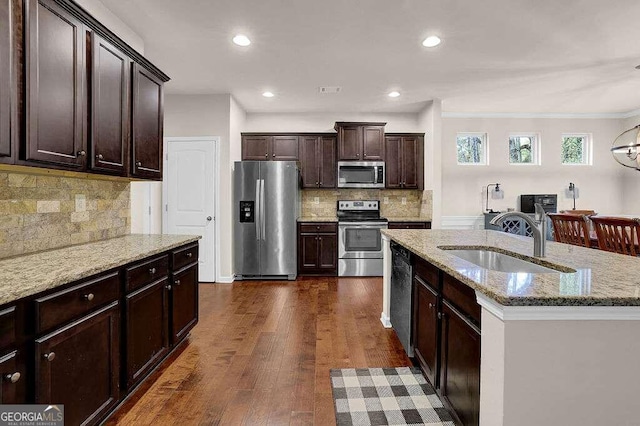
(462, 222)
(225, 280)
(384, 319)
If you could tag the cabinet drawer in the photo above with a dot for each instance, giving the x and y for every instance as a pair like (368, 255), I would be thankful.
(184, 256)
(462, 297)
(319, 227)
(147, 272)
(7, 327)
(428, 273)
(60, 307)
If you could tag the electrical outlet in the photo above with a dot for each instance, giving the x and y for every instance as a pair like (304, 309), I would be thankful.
(385, 200)
(316, 200)
(404, 201)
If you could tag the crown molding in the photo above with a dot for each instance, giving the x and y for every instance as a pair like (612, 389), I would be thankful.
(612, 115)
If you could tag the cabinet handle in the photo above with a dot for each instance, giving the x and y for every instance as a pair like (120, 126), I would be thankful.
(430, 305)
(50, 356)
(273, 155)
(439, 315)
(320, 183)
(266, 155)
(82, 153)
(177, 282)
(316, 183)
(189, 255)
(320, 238)
(89, 297)
(152, 271)
(365, 155)
(13, 378)
(100, 157)
(139, 163)
(168, 286)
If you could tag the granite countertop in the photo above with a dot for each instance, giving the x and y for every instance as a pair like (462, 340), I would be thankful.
(600, 279)
(408, 219)
(317, 219)
(30, 274)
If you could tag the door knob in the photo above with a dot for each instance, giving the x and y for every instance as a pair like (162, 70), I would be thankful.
(100, 157)
(168, 286)
(50, 356)
(89, 297)
(139, 163)
(152, 271)
(177, 282)
(209, 218)
(82, 153)
(13, 378)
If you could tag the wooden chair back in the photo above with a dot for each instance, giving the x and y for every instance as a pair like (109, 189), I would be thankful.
(570, 229)
(579, 212)
(617, 234)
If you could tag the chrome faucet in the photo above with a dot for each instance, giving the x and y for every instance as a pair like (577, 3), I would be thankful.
(538, 227)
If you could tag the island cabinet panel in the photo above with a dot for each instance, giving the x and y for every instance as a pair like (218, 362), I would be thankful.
(147, 123)
(360, 141)
(184, 302)
(110, 70)
(6, 80)
(7, 327)
(318, 161)
(318, 249)
(147, 339)
(404, 160)
(426, 328)
(12, 379)
(78, 366)
(460, 365)
(55, 80)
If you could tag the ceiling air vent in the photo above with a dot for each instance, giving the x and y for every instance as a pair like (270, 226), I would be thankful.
(329, 90)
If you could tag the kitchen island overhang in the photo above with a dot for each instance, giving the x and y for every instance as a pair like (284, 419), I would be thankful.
(555, 348)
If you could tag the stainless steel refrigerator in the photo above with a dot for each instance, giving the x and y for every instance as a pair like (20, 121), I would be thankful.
(266, 206)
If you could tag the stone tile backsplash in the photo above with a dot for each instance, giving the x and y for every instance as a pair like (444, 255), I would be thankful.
(417, 203)
(44, 212)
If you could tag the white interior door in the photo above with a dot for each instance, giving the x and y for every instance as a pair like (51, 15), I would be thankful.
(190, 186)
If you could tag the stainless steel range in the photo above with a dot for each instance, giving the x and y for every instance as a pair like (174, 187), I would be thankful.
(359, 238)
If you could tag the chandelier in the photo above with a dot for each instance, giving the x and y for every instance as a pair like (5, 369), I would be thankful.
(626, 147)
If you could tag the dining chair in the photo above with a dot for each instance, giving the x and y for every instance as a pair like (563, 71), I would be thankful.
(570, 229)
(617, 234)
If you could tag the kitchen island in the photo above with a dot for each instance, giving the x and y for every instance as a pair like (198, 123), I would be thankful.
(555, 348)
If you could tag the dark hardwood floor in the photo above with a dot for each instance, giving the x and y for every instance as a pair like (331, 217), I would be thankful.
(262, 352)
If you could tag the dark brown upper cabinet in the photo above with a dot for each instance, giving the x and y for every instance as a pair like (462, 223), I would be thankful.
(55, 77)
(5, 79)
(360, 141)
(264, 147)
(318, 161)
(109, 141)
(148, 110)
(404, 160)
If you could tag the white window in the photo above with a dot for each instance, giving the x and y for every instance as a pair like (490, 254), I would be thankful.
(576, 148)
(472, 148)
(524, 148)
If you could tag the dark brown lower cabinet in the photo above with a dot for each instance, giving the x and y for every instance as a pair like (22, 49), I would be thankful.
(184, 302)
(147, 328)
(12, 379)
(426, 328)
(318, 249)
(78, 366)
(460, 365)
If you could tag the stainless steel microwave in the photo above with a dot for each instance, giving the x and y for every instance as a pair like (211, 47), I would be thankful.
(360, 174)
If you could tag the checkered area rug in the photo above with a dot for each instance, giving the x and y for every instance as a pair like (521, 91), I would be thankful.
(386, 396)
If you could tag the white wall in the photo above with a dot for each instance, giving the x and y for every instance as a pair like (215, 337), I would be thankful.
(630, 178)
(463, 186)
(99, 11)
(430, 121)
(324, 122)
(211, 115)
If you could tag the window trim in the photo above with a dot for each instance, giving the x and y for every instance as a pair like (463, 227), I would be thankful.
(588, 149)
(535, 148)
(485, 152)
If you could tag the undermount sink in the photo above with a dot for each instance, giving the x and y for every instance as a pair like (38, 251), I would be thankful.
(498, 261)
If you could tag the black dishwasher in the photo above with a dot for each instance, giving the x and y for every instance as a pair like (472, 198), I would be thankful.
(401, 295)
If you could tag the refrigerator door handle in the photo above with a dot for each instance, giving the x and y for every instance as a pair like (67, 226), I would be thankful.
(258, 216)
(262, 210)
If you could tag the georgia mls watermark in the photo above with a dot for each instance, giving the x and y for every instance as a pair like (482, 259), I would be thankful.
(32, 415)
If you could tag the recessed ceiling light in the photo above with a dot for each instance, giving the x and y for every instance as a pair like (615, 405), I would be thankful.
(268, 95)
(431, 41)
(241, 40)
(394, 94)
